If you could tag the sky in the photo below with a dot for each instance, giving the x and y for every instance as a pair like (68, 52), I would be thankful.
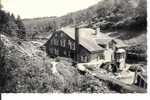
(45, 8)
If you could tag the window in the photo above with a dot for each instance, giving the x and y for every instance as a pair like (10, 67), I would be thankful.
(55, 42)
(73, 46)
(56, 35)
(51, 42)
(117, 56)
(97, 58)
(68, 53)
(65, 53)
(101, 56)
(84, 58)
(110, 45)
(69, 44)
(61, 35)
(56, 52)
(61, 43)
(64, 43)
(120, 55)
(51, 50)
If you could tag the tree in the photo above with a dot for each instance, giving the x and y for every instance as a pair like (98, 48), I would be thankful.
(7, 24)
(3, 20)
(1, 5)
(21, 28)
(10, 27)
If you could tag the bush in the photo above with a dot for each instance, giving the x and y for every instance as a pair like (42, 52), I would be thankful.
(89, 84)
(136, 53)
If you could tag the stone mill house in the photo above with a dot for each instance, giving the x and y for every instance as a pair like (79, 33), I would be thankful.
(83, 45)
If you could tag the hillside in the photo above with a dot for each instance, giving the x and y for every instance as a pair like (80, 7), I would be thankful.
(25, 68)
(109, 15)
(125, 20)
(11, 26)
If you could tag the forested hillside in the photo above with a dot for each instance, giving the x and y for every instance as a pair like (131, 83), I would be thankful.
(39, 26)
(11, 26)
(122, 19)
(110, 15)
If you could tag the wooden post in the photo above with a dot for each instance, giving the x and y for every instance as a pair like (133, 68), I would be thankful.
(135, 77)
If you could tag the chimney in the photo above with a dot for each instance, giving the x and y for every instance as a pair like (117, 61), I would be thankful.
(76, 43)
(98, 31)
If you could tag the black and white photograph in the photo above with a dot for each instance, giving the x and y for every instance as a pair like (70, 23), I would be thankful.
(73, 46)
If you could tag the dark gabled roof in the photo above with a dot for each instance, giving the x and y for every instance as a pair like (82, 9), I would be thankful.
(85, 38)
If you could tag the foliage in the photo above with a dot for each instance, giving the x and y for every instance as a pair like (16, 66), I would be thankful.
(3, 19)
(88, 84)
(21, 31)
(136, 54)
(11, 26)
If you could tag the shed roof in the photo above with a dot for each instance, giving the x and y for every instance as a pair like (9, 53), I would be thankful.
(85, 38)
(104, 41)
(120, 51)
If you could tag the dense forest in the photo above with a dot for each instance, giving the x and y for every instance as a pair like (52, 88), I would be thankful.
(11, 26)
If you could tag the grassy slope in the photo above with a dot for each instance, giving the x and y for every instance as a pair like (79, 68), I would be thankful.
(24, 68)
